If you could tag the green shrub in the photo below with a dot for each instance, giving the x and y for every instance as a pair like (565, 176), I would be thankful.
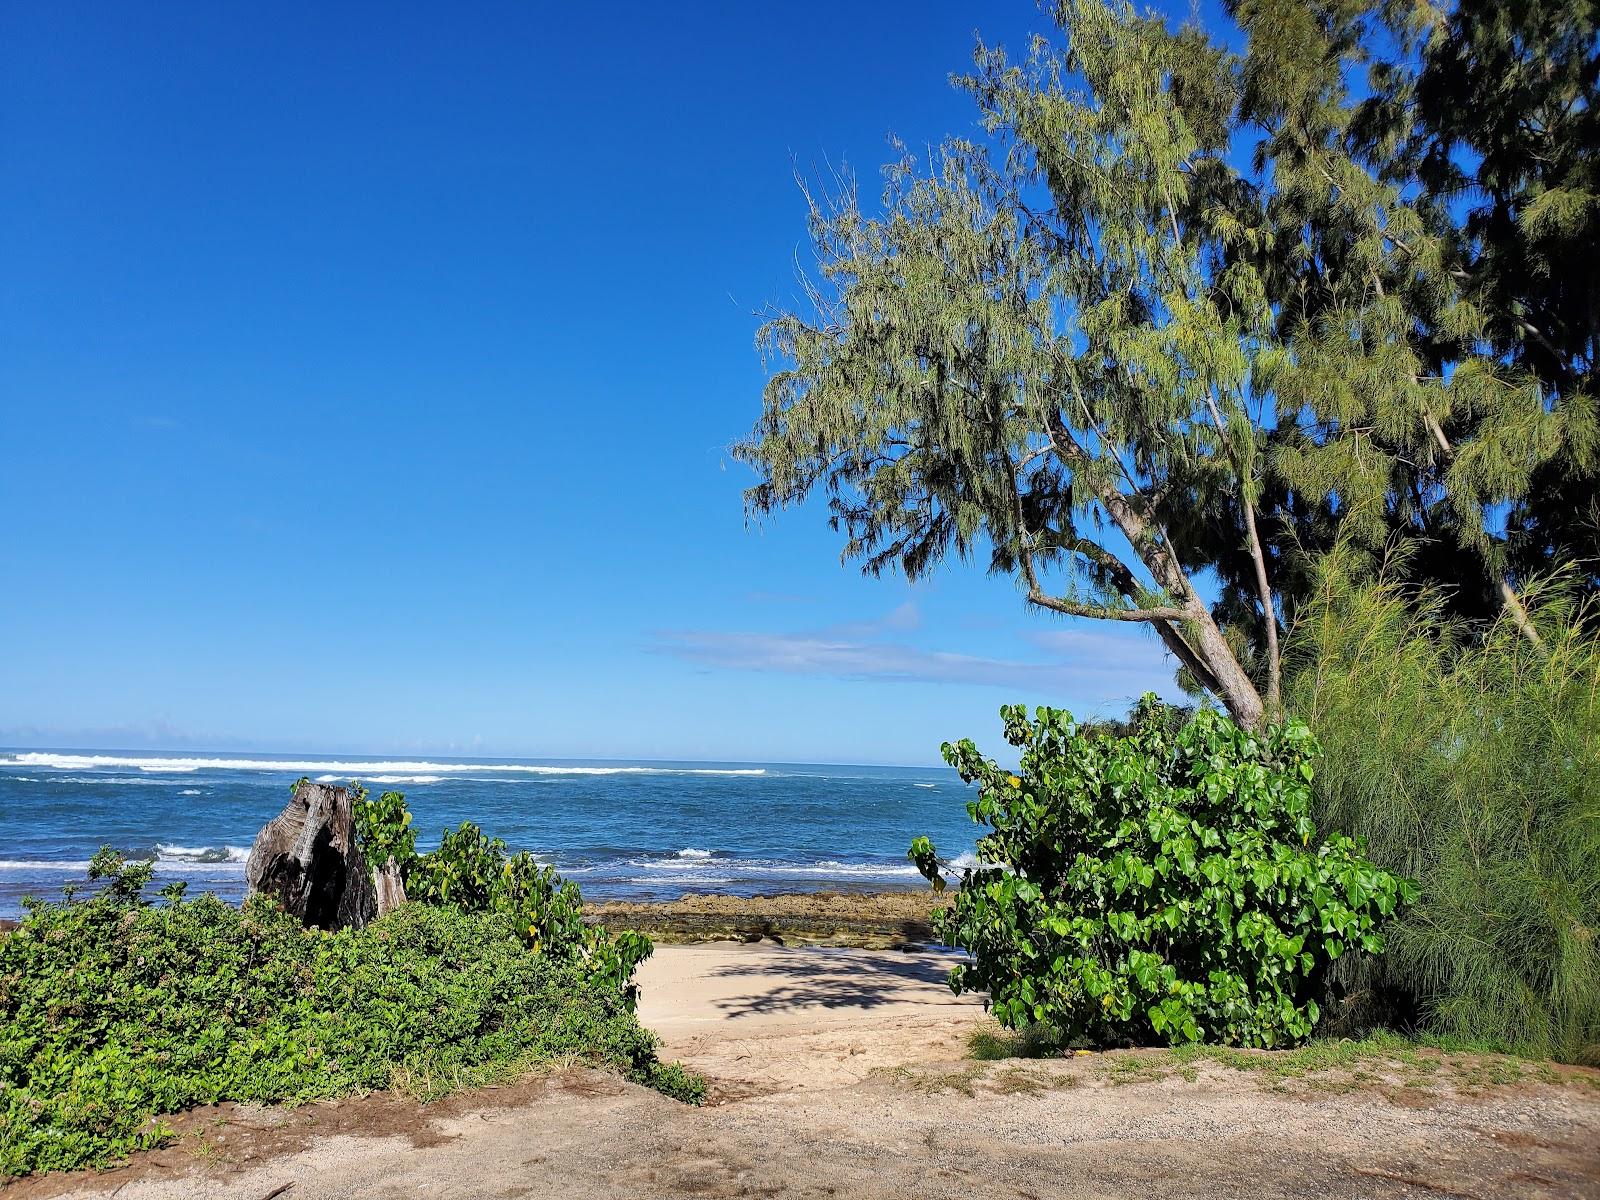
(471, 871)
(676, 1080)
(112, 1012)
(1468, 758)
(383, 828)
(1166, 886)
(464, 871)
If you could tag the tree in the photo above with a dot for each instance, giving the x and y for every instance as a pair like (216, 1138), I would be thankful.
(1175, 315)
(1502, 109)
(1409, 412)
(1070, 384)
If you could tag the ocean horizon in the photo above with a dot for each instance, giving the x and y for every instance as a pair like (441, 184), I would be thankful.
(631, 829)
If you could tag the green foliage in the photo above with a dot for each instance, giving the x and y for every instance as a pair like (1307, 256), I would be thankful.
(1471, 761)
(471, 871)
(465, 870)
(125, 881)
(112, 1012)
(1167, 886)
(1035, 350)
(1495, 109)
(383, 828)
(677, 1081)
(1211, 301)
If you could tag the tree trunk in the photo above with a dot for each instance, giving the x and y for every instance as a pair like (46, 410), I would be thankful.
(1233, 686)
(308, 860)
(1199, 631)
(1195, 639)
(390, 887)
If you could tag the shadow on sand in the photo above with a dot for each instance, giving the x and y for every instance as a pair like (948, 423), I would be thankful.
(822, 978)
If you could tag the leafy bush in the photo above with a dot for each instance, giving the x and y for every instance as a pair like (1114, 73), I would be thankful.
(383, 828)
(1166, 886)
(471, 871)
(112, 1011)
(465, 870)
(1468, 758)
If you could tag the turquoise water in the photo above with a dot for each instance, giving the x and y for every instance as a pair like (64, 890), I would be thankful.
(626, 830)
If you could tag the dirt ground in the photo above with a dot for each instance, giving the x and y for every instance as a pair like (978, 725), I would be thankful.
(845, 1073)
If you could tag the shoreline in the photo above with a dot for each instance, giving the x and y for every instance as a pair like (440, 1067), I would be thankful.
(871, 920)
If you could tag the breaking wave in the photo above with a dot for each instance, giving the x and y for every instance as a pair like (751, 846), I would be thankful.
(341, 770)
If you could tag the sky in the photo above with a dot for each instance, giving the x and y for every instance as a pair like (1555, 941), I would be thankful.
(368, 374)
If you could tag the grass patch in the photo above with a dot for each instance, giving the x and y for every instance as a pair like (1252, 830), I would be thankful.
(1327, 1065)
(1500, 738)
(967, 1081)
(993, 1043)
(112, 1012)
(207, 1153)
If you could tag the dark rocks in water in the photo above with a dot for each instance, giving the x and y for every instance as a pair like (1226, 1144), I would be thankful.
(308, 860)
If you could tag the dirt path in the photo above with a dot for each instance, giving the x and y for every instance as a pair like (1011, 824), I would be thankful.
(842, 1073)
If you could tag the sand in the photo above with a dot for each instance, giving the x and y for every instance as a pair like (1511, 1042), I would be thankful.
(842, 1073)
(762, 1019)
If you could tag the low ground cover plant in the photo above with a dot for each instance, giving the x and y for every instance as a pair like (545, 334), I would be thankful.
(114, 1010)
(1167, 886)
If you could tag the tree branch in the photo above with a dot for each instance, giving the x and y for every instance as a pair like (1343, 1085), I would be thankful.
(1103, 612)
(1269, 614)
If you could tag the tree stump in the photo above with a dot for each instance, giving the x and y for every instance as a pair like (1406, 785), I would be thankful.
(308, 860)
(390, 887)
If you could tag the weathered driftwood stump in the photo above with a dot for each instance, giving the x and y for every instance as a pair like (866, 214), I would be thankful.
(307, 859)
(390, 887)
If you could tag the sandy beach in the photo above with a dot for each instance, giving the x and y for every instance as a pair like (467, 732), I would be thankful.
(764, 1019)
(844, 1072)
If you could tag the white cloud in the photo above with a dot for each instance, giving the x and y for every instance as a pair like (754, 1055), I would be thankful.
(1088, 664)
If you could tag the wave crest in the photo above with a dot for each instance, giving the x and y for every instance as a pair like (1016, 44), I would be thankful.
(340, 770)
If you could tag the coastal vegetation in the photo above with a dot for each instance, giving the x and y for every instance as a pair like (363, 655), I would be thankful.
(1280, 341)
(472, 871)
(1189, 316)
(1470, 760)
(1161, 887)
(115, 1010)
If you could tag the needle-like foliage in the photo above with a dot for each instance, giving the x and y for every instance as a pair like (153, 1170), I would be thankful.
(1183, 310)
(1473, 766)
(1035, 351)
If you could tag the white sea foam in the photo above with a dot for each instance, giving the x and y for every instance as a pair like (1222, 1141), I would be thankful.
(210, 855)
(44, 865)
(927, 785)
(191, 792)
(231, 865)
(691, 853)
(117, 780)
(383, 778)
(725, 870)
(341, 770)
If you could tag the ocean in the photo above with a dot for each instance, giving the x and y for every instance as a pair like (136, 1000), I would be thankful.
(621, 830)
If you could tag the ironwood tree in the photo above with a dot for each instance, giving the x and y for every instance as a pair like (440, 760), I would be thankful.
(1184, 317)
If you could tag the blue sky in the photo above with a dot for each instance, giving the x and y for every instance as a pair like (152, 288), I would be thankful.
(367, 374)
